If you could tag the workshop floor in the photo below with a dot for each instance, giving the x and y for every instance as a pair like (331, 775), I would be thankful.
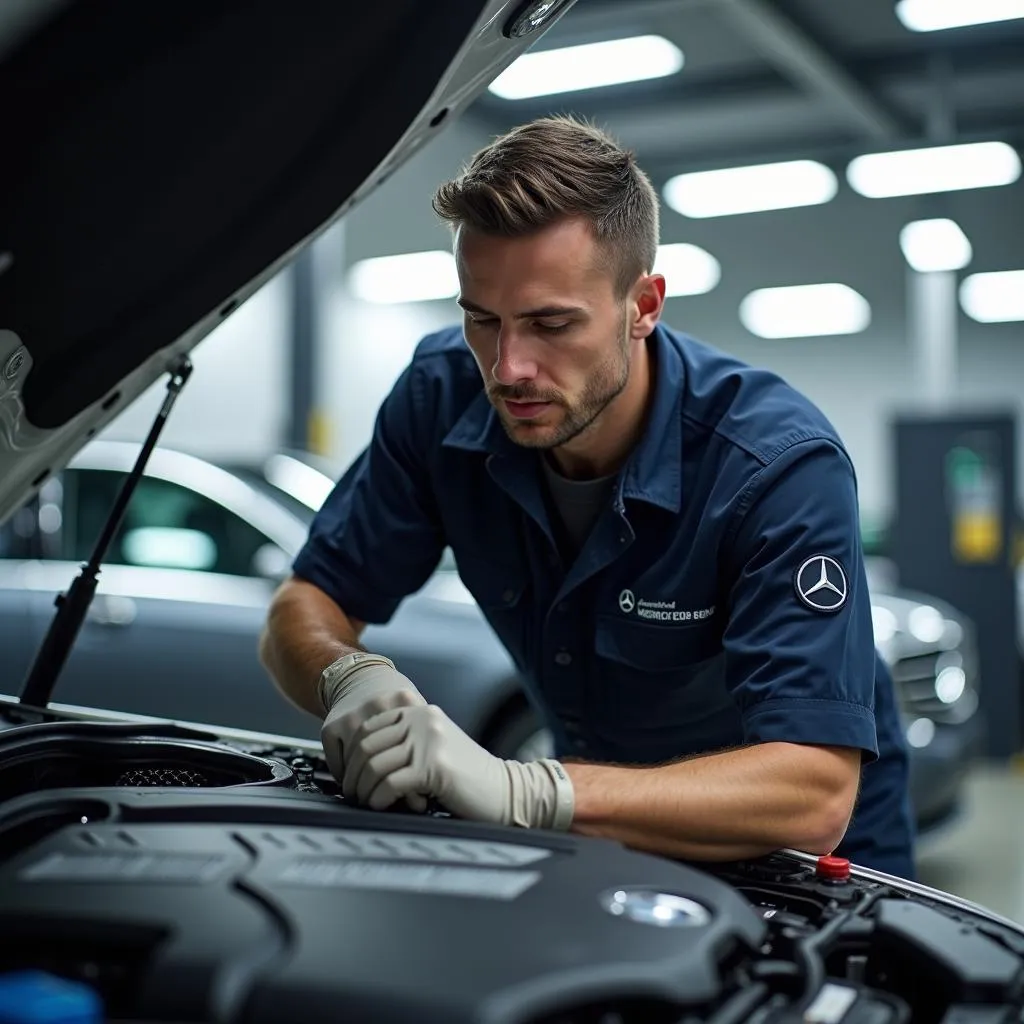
(981, 856)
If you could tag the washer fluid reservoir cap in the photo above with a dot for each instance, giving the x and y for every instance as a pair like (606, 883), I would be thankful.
(835, 869)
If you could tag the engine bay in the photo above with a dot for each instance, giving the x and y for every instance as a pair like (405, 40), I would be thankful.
(186, 875)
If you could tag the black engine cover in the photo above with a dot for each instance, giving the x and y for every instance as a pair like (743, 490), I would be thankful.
(265, 907)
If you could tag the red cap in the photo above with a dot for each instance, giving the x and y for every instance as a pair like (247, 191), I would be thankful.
(836, 869)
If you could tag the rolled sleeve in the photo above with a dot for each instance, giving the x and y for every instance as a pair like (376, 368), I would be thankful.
(378, 536)
(825, 722)
(801, 674)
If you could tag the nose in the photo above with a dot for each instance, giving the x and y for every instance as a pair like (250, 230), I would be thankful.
(513, 362)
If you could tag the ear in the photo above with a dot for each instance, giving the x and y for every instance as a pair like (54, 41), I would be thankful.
(648, 303)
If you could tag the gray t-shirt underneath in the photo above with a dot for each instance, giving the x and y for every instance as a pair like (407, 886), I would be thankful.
(578, 502)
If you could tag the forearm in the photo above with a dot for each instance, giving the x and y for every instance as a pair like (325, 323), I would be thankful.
(304, 633)
(735, 804)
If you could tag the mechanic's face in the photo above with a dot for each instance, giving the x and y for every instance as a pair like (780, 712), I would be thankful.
(557, 349)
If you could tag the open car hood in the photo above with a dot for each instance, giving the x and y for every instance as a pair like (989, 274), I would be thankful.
(162, 161)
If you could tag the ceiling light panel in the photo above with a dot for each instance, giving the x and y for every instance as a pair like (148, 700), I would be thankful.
(805, 311)
(935, 245)
(409, 277)
(937, 15)
(912, 172)
(588, 66)
(687, 269)
(736, 190)
(996, 297)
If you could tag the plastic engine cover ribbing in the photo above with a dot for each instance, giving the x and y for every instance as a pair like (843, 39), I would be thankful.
(364, 916)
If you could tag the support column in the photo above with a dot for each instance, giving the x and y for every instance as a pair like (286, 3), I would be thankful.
(933, 312)
(314, 273)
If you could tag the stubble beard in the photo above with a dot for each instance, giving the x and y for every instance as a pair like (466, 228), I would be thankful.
(605, 384)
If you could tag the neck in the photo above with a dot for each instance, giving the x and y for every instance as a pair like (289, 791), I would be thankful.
(606, 444)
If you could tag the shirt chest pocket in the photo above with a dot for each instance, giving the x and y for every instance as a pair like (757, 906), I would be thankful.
(652, 648)
(654, 678)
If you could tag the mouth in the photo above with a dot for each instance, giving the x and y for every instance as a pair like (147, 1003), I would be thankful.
(525, 410)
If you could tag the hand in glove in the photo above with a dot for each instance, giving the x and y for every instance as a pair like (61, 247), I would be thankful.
(419, 752)
(353, 689)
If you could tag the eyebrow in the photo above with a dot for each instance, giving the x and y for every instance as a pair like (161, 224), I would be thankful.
(531, 314)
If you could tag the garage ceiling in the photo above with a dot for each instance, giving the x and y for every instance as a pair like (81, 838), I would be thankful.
(782, 79)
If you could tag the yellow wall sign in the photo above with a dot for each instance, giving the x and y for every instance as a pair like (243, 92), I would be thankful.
(974, 488)
(977, 537)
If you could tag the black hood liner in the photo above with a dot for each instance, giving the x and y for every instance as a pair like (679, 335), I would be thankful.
(157, 156)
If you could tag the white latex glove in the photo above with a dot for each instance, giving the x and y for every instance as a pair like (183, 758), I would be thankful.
(352, 690)
(420, 752)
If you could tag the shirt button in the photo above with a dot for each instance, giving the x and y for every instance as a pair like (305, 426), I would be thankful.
(507, 595)
(563, 658)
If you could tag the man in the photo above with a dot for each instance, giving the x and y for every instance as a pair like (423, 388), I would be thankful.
(665, 539)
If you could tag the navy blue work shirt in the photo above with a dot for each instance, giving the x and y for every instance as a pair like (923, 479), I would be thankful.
(720, 599)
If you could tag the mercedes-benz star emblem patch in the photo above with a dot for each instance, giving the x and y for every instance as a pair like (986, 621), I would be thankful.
(627, 602)
(821, 584)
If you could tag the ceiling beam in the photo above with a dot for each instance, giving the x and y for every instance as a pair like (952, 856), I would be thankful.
(806, 61)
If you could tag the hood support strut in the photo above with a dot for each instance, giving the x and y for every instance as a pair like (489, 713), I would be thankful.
(73, 606)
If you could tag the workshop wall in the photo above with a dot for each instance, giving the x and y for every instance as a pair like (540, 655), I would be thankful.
(364, 347)
(234, 405)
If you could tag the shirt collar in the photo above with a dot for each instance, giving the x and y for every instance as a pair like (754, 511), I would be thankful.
(652, 473)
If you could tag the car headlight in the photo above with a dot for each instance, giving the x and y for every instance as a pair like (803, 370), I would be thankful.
(884, 623)
(950, 684)
(926, 624)
(920, 732)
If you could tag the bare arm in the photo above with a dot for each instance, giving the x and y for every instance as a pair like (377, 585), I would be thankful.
(305, 632)
(725, 806)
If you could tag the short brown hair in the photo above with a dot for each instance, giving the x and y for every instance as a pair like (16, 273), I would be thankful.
(551, 169)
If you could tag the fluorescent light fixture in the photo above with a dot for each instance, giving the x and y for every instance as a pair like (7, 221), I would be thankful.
(688, 269)
(935, 15)
(805, 311)
(937, 244)
(589, 66)
(913, 172)
(994, 298)
(735, 190)
(410, 277)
